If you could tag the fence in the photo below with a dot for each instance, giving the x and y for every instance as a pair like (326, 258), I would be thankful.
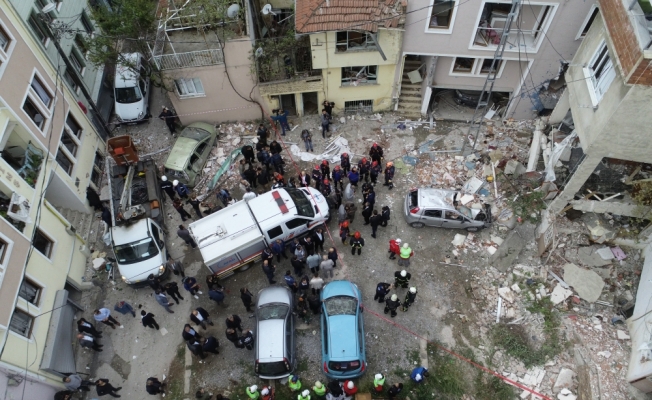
(200, 58)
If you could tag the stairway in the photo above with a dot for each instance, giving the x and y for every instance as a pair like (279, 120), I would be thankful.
(83, 223)
(409, 101)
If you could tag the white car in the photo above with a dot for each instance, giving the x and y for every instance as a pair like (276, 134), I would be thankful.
(131, 89)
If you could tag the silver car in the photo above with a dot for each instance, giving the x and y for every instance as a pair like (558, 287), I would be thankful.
(438, 207)
(275, 348)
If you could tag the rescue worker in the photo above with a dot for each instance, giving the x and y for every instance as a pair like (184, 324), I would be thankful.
(302, 311)
(349, 388)
(252, 392)
(262, 134)
(376, 153)
(357, 243)
(167, 187)
(350, 209)
(389, 175)
(382, 290)
(391, 305)
(294, 383)
(337, 176)
(402, 279)
(305, 395)
(363, 169)
(267, 393)
(325, 169)
(410, 296)
(319, 389)
(370, 196)
(379, 382)
(345, 163)
(376, 169)
(404, 256)
(181, 189)
(394, 248)
(316, 176)
(419, 374)
(326, 188)
(354, 177)
(384, 212)
(344, 231)
(282, 118)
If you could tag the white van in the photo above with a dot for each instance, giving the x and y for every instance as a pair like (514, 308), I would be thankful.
(131, 89)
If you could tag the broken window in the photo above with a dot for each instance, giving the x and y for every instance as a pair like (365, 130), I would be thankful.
(441, 14)
(353, 40)
(353, 76)
(588, 21)
(463, 65)
(359, 106)
(486, 66)
(599, 73)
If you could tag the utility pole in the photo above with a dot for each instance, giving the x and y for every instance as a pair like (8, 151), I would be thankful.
(487, 89)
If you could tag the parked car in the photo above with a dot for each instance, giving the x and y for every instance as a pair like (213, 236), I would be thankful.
(275, 348)
(438, 207)
(131, 89)
(190, 152)
(469, 98)
(342, 331)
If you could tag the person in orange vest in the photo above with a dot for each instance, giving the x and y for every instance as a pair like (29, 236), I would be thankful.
(394, 248)
(349, 388)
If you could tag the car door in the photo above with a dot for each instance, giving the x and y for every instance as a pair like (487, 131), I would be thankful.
(274, 233)
(453, 219)
(432, 217)
(201, 153)
(296, 227)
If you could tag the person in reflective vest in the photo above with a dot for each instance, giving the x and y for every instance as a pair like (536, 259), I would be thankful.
(379, 382)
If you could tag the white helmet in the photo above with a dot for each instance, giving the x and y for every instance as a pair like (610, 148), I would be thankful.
(394, 297)
(418, 377)
(350, 385)
(164, 178)
(318, 384)
(264, 392)
(405, 245)
(398, 240)
(378, 376)
(413, 290)
(253, 388)
(404, 273)
(305, 393)
(175, 182)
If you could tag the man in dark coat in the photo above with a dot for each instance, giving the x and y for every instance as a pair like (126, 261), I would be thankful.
(385, 213)
(366, 213)
(232, 335)
(168, 187)
(247, 298)
(154, 386)
(172, 289)
(106, 216)
(375, 222)
(84, 326)
(201, 317)
(189, 333)
(248, 153)
(211, 345)
(196, 348)
(170, 119)
(234, 322)
(103, 387)
(148, 320)
(93, 199)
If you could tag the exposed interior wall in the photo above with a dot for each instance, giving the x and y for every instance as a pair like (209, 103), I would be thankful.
(640, 366)
(324, 56)
(380, 93)
(508, 80)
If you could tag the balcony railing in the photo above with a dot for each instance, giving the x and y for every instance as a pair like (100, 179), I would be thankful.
(192, 59)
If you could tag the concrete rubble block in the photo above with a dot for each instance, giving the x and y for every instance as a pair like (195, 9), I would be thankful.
(566, 396)
(514, 167)
(492, 250)
(605, 253)
(458, 240)
(560, 294)
(467, 198)
(588, 256)
(586, 283)
(507, 294)
(497, 240)
(508, 252)
(622, 335)
(219, 152)
(516, 288)
(564, 379)
(235, 141)
(599, 231)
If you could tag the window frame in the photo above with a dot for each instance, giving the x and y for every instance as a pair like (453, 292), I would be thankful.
(50, 249)
(346, 43)
(8, 48)
(87, 23)
(41, 126)
(179, 82)
(360, 69)
(32, 96)
(31, 326)
(476, 71)
(36, 77)
(39, 291)
(6, 246)
(63, 152)
(97, 169)
(588, 21)
(76, 59)
(597, 87)
(463, 72)
(448, 30)
(37, 29)
(67, 76)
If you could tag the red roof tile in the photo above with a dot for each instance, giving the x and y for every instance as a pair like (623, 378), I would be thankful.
(339, 15)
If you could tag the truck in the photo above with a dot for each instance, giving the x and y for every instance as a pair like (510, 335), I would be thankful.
(138, 225)
(234, 237)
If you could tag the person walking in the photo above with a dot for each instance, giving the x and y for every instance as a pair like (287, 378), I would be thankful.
(389, 175)
(84, 326)
(366, 213)
(313, 261)
(162, 299)
(294, 383)
(282, 118)
(175, 266)
(217, 295)
(184, 234)
(320, 390)
(327, 266)
(379, 383)
(332, 255)
(252, 392)
(88, 341)
(148, 320)
(172, 290)
(189, 333)
(384, 212)
(211, 345)
(234, 322)
(167, 187)
(382, 290)
(169, 118)
(196, 348)
(75, 383)
(376, 153)
(201, 317)
(103, 315)
(402, 279)
(394, 390)
(306, 136)
(410, 297)
(375, 222)
(316, 284)
(247, 298)
(405, 255)
(419, 374)
(357, 243)
(325, 122)
(191, 285)
(394, 248)
(154, 386)
(176, 203)
(194, 203)
(269, 269)
(391, 305)
(103, 387)
(278, 248)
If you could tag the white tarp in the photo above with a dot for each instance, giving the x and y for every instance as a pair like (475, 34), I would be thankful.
(556, 153)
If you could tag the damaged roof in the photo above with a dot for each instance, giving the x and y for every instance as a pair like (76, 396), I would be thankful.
(341, 15)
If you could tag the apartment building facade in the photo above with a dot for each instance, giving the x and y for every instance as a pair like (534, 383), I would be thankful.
(50, 153)
(452, 43)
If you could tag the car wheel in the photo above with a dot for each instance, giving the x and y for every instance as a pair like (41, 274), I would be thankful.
(472, 229)
(417, 224)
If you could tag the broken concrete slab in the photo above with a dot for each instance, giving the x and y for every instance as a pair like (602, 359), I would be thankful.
(515, 168)
(586, 283)
(560, 294)
(564, 379)
(622, 335)
(605, 253)
(458, 240)
(497, 239)
(586, 256)
(507, 294)
(508, 252)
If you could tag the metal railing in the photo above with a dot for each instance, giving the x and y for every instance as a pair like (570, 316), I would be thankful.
(200, 58)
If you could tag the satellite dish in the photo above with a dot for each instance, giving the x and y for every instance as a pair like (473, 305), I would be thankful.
(233, 10)
(267, 9)
(259, 52)
(49, 7)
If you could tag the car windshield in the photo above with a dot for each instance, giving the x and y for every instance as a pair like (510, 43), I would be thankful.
(128, 95)
(304, 207)
(273, 368)
(134, 252)
(272, 311)
(341, 305)
(195, 134)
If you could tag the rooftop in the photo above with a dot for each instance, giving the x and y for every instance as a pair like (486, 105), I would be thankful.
(340, 15)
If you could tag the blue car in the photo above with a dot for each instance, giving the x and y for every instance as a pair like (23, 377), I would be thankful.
(342, 331)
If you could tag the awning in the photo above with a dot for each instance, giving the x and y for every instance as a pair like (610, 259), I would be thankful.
(58, 356)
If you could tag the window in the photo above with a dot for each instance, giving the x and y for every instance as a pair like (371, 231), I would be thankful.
(68, 76)
(4, 40)
(76, 61)
(485, 67)
(359, 106)
(21, 323)
(86, 22)
(191, 87)
(354, 76)
(81, 44)
(96, 173)
(33, 112)
(441, 15)
(274, 232)
(38, 29)
(463, 65)
(73, 126)
(4, 248)
(296, 222)
(352, 40)
(599, 73)
(588, 21)
(69, 143)
(43, 243)
(432, 213)
(30, 291)
(64, 161)
(41, 92)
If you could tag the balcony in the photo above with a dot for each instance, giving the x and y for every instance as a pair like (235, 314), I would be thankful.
(277, 60)
(199, 58)
(20, 154)
(9, 210)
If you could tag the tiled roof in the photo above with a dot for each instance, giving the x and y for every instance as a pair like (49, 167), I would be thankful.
(338, 15)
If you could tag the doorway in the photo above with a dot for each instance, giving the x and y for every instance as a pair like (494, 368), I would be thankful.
(310, 103)
(287, 103)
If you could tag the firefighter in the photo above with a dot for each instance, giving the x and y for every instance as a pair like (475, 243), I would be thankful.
(305, 395)
(382, 290)
(316, 176)
(405, 255)
(410, 296)
(376, 169)
(402, 279)
(391, 305)
(345, 163)
(363, 168)
(325, 169)
(389, 175)
(357, 243)
(379, 382)
(376, 153)
(326, 187)
(394, 248)
(344, 231)
(337, 177)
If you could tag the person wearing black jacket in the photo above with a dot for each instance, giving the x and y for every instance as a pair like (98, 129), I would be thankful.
(234, 322)
(211, 345)
(375, 222)
(246, 340)
(275, 147)
(154, 386)
(84, 326)
(376, 153)
(391, 305)
(308, 245)
(250, 176)
(103, 387)
(213, 282)
(297, 264)
(148, 320)
(154, 282)
(172, 289)
(188, 333)
(318, 239)
(335, 389)
(196, 348)
(382, 290)
(384, 212)
(248, 153)
(357, 243)
(247, 298)
(314, 303)
(366, 213)
(201, 317)
(168, 187)
(232, 335)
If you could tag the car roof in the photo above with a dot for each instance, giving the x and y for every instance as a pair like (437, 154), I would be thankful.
(343, 337)
(266, 208)
(271, 339)
(438, 198)
(186, 144)
(274, 294)
(339, 288)
(130, 233)
(125, 75)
